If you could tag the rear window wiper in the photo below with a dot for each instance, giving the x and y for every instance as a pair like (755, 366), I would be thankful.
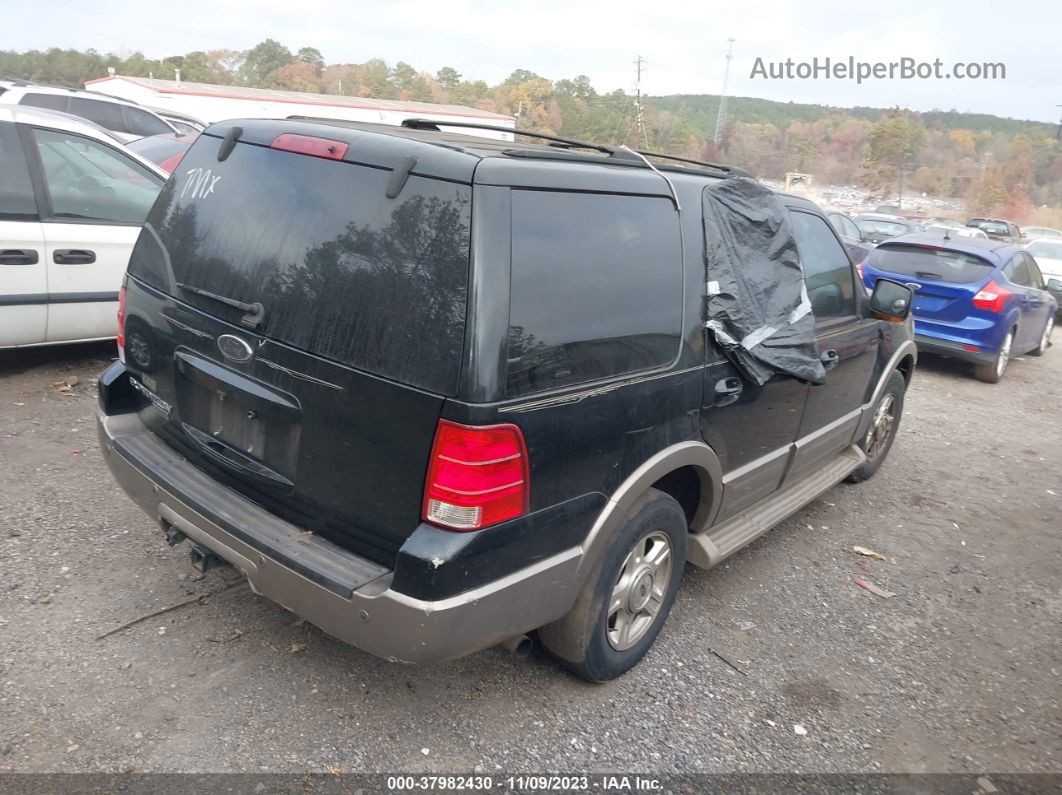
(254, 313)
(928, 275)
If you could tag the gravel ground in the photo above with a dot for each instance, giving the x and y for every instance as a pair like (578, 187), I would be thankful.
(959, 672)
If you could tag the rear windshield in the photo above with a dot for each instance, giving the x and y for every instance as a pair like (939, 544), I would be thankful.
(930, 263)
(992, 227)
(1046, 249)
(871, 227)
(341, 270)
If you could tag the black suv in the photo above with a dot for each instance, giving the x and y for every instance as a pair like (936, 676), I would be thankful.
(433, 391)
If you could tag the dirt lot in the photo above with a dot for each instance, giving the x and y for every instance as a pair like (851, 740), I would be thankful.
(958, 672)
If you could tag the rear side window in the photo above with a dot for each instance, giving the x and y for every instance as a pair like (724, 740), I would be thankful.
(934, 264)
(17, 202)
(341, 270)
(107, 115)
(49, 101)
(596, 288)
(827, 269)
(1018, 272)
(1036, 278)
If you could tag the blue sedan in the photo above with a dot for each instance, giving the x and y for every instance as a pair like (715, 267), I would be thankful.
(982, 301)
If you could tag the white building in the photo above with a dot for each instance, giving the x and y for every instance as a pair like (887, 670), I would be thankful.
(212, 103)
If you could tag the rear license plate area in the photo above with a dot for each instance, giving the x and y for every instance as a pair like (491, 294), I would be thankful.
(237, 418)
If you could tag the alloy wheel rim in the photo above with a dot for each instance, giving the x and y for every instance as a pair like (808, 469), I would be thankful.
(640, 590)
(1004, 354)
(139, 350)
(881, 427)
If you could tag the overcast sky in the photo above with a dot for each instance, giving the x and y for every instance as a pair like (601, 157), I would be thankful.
(684, 44)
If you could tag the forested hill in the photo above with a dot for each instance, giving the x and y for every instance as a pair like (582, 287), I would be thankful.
(701, 109)
(997, 166)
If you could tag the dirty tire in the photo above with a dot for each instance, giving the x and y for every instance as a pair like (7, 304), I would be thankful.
(1045, 338)
(993, 373)
(894, 390)
(581, 640)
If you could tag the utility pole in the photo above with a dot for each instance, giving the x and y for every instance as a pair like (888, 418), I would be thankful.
(720, 119)
(1058, 134)
(639, 64)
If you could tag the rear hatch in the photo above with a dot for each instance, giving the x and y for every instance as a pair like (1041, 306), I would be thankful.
(299, 328)
(945, 280)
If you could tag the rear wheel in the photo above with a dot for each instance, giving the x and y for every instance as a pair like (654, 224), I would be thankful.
(992, 373)
(881, 432)
(1045, 340)
(627, 598)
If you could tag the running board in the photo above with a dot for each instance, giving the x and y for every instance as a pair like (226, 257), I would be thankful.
(712, 546)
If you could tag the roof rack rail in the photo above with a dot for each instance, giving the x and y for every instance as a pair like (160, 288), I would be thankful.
(565, 143)
(716, 166)
(569, 143)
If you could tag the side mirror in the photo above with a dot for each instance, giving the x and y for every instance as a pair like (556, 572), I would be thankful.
(1054, 285)
(891, 300)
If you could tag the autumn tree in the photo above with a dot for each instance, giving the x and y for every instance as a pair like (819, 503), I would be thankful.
(313, 57)
(468, 92)
(403, 76)
(987, 195)
(891, 148)
(262, 60)
(448, 78)
(376, 79)
(528, 100)
(295, 76)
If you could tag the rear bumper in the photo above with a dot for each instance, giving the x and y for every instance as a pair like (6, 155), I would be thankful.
(951, 349)
(347, 596)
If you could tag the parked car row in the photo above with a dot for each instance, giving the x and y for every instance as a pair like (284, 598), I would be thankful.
(874, 227)
(124, 118)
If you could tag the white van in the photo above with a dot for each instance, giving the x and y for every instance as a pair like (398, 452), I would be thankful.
(72, 201)
(123, 118)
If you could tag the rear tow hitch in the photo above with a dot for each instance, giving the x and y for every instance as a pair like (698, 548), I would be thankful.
(202, 558)
(174, 536)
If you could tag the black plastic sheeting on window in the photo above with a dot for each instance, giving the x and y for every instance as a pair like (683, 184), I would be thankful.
(757, 304)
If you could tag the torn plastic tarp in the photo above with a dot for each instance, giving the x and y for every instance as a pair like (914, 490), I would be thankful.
(758, 307)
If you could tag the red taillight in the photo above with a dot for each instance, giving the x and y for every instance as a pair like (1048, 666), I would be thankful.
(121, 322)
(477, 476)
(992, 297)
(309, 145)
(170, 163)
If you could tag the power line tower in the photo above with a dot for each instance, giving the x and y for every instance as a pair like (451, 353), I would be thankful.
(720, 119)
(639, 64)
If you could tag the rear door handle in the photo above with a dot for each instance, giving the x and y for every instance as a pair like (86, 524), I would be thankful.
(19, 256)
(74, 256)
(829, 359)
(727, 391)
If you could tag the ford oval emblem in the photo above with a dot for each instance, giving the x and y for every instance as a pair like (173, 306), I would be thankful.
(234, 349)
